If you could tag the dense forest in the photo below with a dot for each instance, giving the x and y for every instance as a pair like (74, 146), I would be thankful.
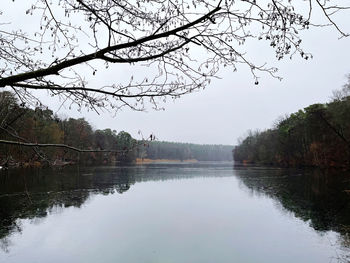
(318, 135)
(40, 125)
(48, 137)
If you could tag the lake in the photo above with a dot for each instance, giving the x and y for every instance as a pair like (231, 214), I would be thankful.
(180, 212)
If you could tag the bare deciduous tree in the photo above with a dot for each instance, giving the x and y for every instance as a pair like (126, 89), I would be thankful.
(183, 42)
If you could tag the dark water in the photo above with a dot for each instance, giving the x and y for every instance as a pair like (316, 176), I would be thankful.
(174, 213)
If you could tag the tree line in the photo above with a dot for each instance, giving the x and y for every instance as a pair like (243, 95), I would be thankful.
(37, 136)
(53, 140)
(187, 151)
(318, 135)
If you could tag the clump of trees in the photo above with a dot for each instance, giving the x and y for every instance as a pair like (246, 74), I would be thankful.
(31, 136)
(318, 135)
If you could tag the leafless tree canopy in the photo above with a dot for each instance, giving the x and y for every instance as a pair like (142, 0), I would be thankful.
(184, 43)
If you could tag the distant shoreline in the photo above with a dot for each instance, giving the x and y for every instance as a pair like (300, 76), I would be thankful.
(146, 160)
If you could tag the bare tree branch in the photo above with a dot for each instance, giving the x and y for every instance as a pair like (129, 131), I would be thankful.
(162, 35)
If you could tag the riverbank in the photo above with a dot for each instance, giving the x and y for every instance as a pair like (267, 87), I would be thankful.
(10, 163)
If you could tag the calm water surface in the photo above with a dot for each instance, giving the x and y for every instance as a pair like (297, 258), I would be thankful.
(205, 212)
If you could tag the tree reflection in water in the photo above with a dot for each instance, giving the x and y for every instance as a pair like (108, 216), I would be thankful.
(33, 194)
(318, 197)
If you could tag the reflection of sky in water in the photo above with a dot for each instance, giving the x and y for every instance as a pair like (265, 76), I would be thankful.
(203, 219)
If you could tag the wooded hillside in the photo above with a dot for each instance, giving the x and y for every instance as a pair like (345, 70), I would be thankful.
(318, 135)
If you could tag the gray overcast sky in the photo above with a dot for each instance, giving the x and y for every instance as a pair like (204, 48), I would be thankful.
(233, 104)
(230, 106)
